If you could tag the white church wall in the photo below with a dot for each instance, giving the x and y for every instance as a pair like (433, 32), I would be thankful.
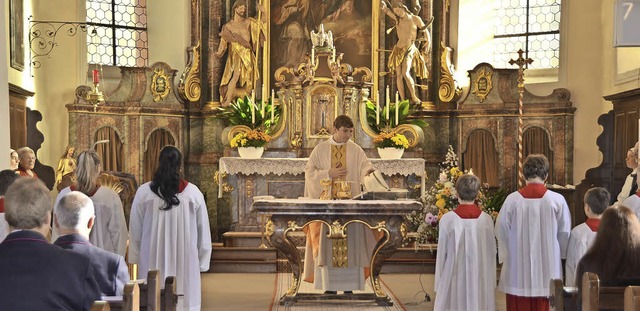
(168, 27)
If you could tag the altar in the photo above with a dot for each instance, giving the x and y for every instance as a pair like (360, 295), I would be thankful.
(289, 215)
(284, 178)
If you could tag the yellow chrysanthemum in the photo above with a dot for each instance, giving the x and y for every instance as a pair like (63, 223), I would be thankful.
(252, 138)
(440, 203)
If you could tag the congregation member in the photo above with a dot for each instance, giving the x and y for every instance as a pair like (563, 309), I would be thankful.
(596, 201)
(533, 231)
(633, 202)
(27, 162)
(615, 251)
(466, 259)
(169, 226)
(34, 274)
(14, 160)
(110, 226)
(630, 185)
(7, 177)
(74, 217)
(339, 159)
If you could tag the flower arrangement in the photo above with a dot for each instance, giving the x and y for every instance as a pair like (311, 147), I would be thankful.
(252, 138)
(391, 140)
(442, 198)
(376, 115)
(244, 111)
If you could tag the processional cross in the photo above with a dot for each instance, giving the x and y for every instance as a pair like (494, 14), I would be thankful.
(521, 62)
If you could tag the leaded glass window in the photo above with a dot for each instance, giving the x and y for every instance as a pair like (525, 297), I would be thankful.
(530, 25)
(117, 32)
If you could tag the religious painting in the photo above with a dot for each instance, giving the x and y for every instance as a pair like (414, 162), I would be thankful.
(293, 20)
(483, 84)
(16, 34)
(159, 88)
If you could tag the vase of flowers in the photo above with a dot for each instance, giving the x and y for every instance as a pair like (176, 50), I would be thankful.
(442, 198)
(250, 143)
(390, 145)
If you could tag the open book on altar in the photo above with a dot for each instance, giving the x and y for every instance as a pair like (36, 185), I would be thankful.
(376, 188)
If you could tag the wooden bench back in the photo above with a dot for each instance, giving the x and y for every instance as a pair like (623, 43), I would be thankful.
(596, 297)
(632, 298)
(130, 299)
(100, 305)
(562, 298)
(150, 292)
(169, 295)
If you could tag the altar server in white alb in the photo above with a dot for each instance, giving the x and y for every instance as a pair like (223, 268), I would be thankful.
(466, 258)
(596, 201)
(533, 231)
(169, 227)
(110, 226)
(337, 158)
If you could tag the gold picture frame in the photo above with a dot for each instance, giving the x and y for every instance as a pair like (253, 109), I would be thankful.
(483, 84)
(16, 34)
(160, 87)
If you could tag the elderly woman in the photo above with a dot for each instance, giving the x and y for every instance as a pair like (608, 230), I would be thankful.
(631, 182)
(110, 228)
(169, 227)
(27, 162)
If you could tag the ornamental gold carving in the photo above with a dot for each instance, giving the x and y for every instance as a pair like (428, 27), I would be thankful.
(483, 84)
(340, 253)
(269, 228)
(448, 91)
(189, 86)
(159, 85)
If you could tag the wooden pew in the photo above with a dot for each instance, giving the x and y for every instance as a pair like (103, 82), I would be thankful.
(130, 300)
(169, 296)
(100, 305)
(595, 297)
(562, 298)
(150, 292)
(632, 298)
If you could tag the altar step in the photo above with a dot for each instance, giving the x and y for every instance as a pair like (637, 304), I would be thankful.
(241, 252)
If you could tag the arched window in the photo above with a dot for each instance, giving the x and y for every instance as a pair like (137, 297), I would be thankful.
(481, 156)
(110, 149)
(157, 140)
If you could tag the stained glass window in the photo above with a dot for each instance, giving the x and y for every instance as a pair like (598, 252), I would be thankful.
(117, 32)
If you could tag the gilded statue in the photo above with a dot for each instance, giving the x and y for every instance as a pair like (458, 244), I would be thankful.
(241, 37)
(65, 174)
(405, 55)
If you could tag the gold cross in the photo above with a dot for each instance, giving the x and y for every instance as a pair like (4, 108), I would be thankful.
(521, 62)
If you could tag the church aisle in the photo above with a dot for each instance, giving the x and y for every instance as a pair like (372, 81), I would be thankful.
(254, 291)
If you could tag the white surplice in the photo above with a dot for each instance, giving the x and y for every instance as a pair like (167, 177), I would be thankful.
(581, 239)
(532, 238)
(176, 241)
(109, 230)
(360, 240)
(626, 187)
(633, 202)
(465, 264)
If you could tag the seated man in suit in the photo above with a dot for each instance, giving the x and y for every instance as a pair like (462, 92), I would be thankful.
(35, 274)
(74, 219)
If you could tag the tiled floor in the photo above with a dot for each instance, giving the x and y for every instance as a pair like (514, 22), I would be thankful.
(254, 291)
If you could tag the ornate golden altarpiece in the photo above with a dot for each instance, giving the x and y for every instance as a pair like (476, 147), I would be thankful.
(140, 105)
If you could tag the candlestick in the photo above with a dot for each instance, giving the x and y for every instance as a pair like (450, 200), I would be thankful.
(397, 106)
(387, 105)
(253, 107)
(378, 107)
(273, 106)
(96, 76)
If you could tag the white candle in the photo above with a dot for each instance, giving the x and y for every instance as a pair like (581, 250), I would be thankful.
(273, 106)
(334, 54)
(387, 105)
(313, 55)
(253, 107)
(397, 105)
(378, 108)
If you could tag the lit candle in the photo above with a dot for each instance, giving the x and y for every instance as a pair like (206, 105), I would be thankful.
(253, 107)
(397, 105)
(96, 76)
(273, 106)
(387, 105)
(378, 107)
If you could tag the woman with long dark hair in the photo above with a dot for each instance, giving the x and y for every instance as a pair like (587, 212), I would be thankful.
(615, 251)
(169, 227)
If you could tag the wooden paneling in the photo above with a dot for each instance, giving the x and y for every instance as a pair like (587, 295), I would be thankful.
(18, 115)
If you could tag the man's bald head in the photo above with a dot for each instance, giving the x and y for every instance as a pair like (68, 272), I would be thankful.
(74, 212)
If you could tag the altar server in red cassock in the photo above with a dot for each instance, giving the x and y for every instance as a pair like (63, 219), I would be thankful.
(466, 260)
(533, 231)
(596, 201)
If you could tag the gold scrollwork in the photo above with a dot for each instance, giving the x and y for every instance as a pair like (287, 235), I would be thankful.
(337, 230)
(292, 225)
(237, 129)
(403, 230)
(217, 178)
(448, 91)
(413, 133)
(279, 74)
(160, 88)
(189, 86)
(483, 84)
(269, 228)
(378, 289)
(248, 188)
(293, 286)
(367, 74)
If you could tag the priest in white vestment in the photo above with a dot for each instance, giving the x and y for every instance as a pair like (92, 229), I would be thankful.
(110, 227)
(630, 185)
(466, 258)
(596, 201)
(533, 232)
(337, 158)
(169, 227)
